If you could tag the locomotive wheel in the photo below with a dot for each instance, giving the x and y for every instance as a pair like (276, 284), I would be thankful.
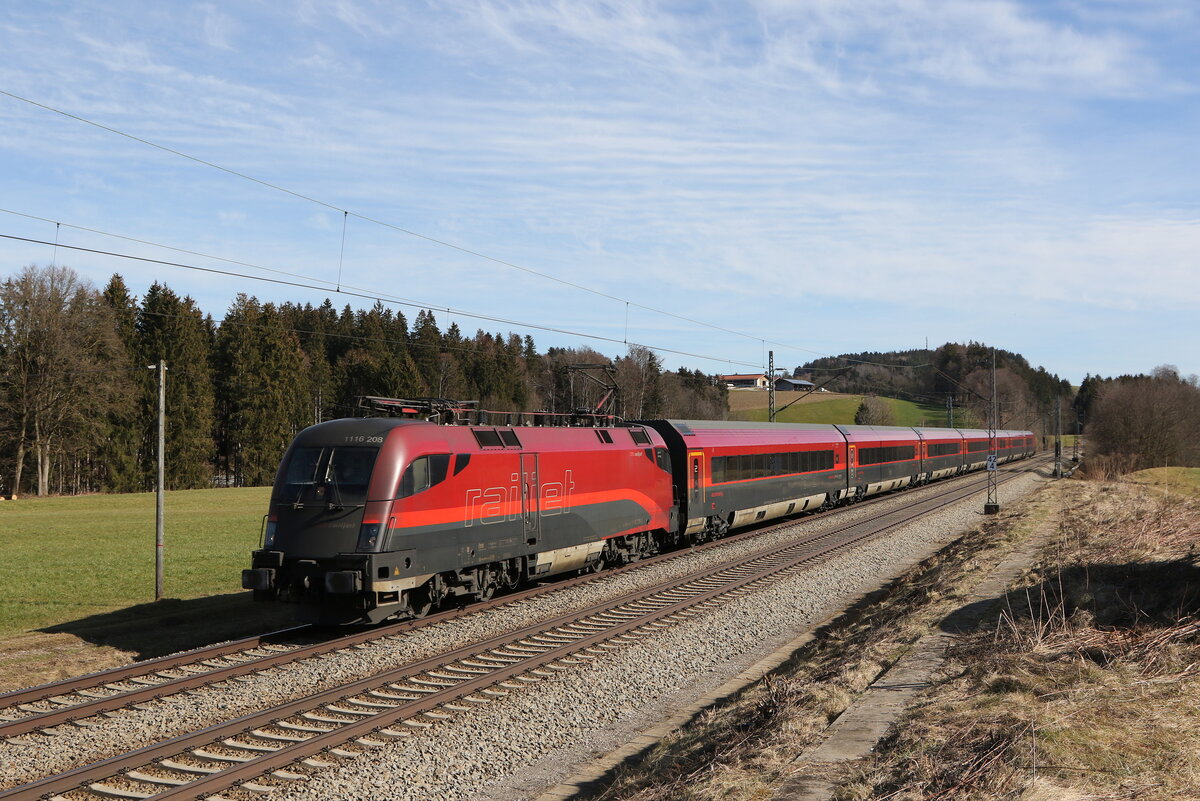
(595, 567)
(420, 601)
(492, 576)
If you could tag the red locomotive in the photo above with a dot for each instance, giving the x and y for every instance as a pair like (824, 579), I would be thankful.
(373, 518)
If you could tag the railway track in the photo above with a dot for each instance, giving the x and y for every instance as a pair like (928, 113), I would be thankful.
(48, 705)
(394, 704)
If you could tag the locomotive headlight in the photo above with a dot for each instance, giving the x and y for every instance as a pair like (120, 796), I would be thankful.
(269, 533)
(368, 537)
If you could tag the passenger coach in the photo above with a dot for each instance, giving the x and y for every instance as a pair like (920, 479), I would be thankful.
(734, 473)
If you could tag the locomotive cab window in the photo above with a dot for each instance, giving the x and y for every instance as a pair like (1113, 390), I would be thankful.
(336, 476)
(423, 473)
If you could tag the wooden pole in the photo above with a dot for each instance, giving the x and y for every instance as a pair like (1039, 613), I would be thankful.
(158, 515)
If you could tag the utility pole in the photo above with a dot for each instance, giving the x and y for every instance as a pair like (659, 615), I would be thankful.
(992, 505)
(950, 410)
(1058, 438)
(1075, 442)
(771, 386)
(158, 512)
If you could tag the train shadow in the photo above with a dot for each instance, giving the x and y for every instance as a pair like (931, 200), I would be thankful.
(164, 627)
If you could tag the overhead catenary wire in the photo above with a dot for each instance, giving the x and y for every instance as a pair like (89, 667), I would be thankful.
(336, 287)
(171, 248)
(382, 299)
(392, 226)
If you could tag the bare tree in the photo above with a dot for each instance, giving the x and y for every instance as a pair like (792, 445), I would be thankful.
(874, 412)
(692, 395)
(638, 376)
(1148, 421)
(59, 345)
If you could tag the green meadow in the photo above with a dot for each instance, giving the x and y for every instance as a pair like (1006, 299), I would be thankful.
(841, 409)
(64, 559)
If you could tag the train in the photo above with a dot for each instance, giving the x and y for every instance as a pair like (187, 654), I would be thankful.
(373, 519)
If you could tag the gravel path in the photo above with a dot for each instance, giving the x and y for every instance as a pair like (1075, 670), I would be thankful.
(594, 708)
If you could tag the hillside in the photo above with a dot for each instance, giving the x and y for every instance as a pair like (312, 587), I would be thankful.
(961, 371)
(833, 407)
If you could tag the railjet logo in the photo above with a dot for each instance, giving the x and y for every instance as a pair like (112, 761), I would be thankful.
(498, 504)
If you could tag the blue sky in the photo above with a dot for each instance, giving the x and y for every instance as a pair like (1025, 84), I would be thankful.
(826, 176)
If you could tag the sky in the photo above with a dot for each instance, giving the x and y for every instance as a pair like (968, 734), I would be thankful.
(710, 179)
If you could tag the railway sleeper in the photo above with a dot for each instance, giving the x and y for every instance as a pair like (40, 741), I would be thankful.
(212, 756)
(139, 776)
(283, 738)
(108, 791)
(287, 775)
(198, 770)
(239, 745)
(285, 724)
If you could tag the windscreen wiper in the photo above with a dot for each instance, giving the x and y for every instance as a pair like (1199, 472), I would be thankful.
(335, 504)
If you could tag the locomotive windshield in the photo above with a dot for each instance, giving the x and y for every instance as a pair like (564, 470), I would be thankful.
(334, 477)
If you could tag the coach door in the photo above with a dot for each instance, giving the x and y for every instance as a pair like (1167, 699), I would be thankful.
(696, 482)
(530, 513)
(851, 464)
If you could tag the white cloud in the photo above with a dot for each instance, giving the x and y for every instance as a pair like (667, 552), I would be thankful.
(217, 28)
(810, 155)
(980, 43)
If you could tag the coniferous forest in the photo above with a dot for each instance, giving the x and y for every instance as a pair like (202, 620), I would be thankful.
(78, 400)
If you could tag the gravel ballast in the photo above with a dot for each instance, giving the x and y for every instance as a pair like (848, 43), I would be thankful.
(514, 746)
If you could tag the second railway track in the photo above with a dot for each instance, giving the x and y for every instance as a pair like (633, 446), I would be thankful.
(418, 695)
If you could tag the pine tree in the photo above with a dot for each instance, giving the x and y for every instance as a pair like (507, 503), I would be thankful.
(174, 329)
(313, 327)
(120, 451)
(378, 362)
(266, 389)
(426, 345)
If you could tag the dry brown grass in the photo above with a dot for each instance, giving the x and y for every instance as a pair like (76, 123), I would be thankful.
(1086, 685)
(744, 748)
(1107, 467)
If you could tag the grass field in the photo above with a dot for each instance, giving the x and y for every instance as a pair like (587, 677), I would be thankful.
(828, 408)
(1183, 480)
(63, 559)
